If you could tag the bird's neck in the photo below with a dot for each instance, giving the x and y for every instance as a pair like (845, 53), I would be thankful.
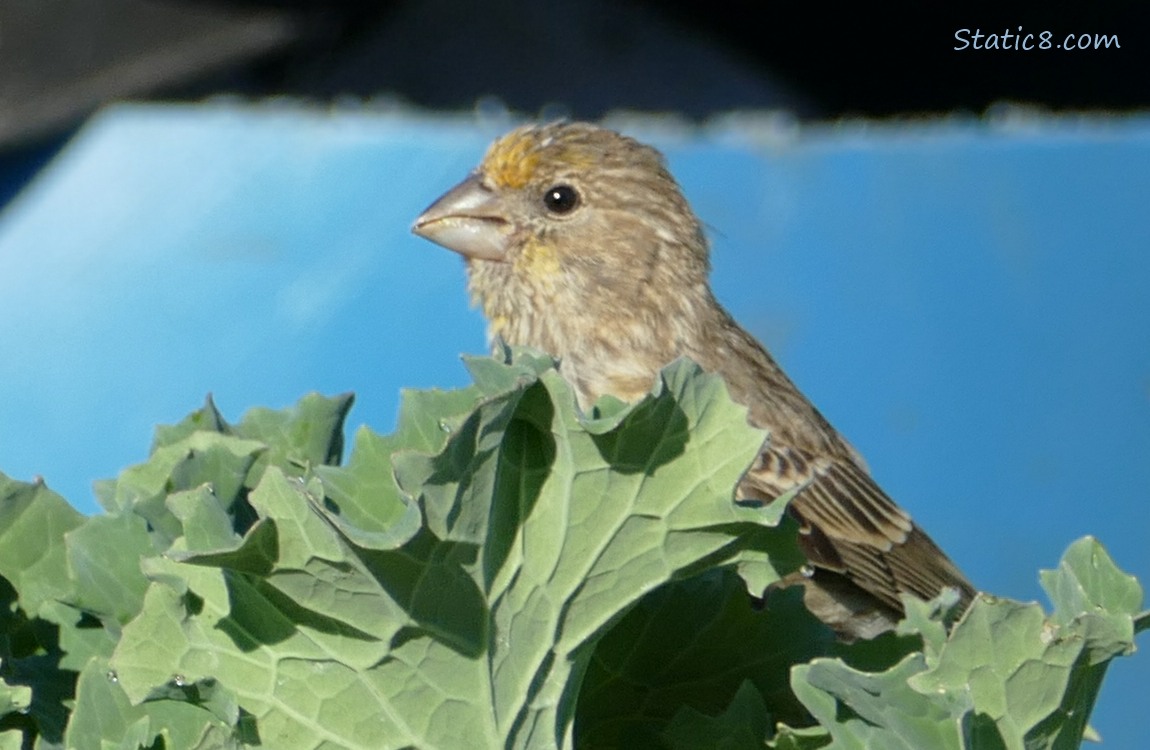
(607, 342)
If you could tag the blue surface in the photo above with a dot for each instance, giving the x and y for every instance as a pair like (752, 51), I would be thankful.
(968, 303)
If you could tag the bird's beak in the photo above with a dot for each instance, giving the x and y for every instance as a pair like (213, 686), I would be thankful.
(468, 219)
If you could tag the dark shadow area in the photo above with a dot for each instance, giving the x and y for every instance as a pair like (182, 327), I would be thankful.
(426, 577)
(654, 433)
(525, 461)
(20, 163)
(630, 667)
(62, 60)
(30, 656)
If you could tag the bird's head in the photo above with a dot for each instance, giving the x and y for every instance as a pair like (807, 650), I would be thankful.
(571, 207)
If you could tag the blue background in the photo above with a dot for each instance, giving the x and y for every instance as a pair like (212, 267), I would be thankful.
(966, 300)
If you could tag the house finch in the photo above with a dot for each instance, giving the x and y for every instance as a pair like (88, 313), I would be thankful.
(579, 242)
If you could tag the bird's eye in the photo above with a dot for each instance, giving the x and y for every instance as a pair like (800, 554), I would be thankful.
(561, 199)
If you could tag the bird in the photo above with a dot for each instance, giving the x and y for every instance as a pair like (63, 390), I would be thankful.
(579, 242)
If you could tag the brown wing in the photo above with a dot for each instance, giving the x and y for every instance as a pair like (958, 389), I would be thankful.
(849, 526)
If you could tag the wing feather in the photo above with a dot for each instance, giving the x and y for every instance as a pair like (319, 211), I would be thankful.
(850, 526)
